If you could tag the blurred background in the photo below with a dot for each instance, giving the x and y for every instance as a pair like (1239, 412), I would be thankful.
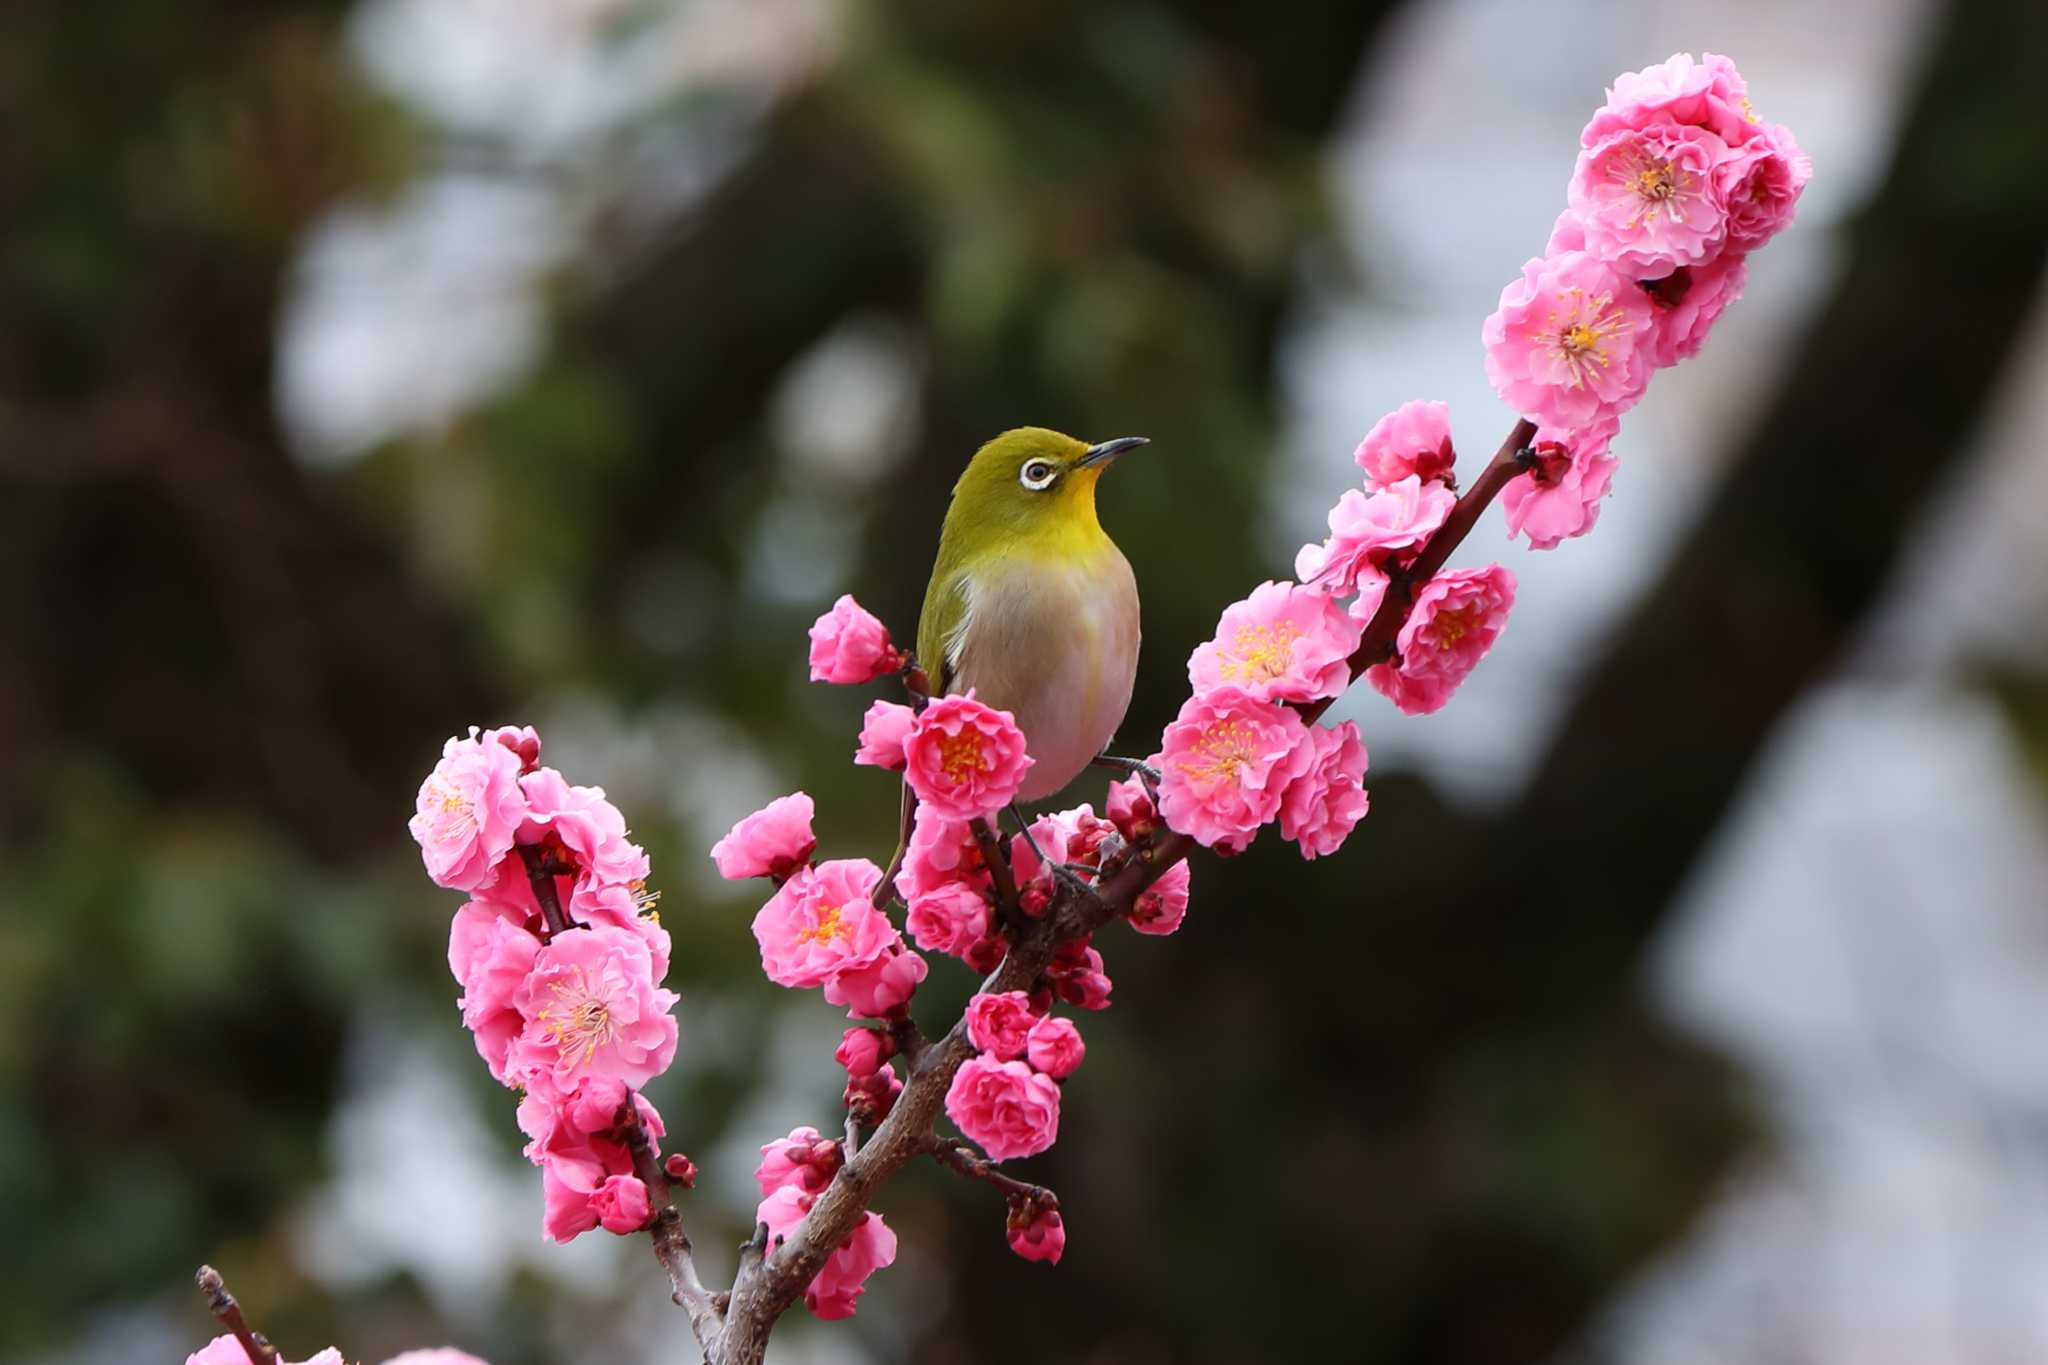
(373, 368)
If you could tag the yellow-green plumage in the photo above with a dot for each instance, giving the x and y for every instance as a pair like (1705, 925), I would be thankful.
(1031, 604)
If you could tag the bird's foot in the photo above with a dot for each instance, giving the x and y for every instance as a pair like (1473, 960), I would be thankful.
(1147, 775)
(1062, 873)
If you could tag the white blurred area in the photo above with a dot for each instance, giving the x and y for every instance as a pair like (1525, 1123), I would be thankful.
(1868, 938)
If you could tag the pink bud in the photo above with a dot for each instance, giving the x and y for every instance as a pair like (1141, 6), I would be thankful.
(999, 1023)
(1036, 1232)
(622, 1205)
(1130, 810)
(882, 732)
(1054, 1046)
(521, 740)
(681, 1170)
(848, 645)
(872, 1097)
(862, 1051)
(772, 842)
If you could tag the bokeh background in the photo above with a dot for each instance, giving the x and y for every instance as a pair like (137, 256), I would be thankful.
(372, 369)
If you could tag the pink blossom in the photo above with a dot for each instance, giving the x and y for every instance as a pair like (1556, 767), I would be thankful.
(1320, 807)
(1709, 94)
(621, 1204)
(1561, 496)
(1080, 979)
(848, 645)
(772, 842)
(1652, 199)
(804, 1160)
(1414, 438)
(949, 918)
(877, 989)
(1566, 234)
(862, 1051)
(226, 1349)
(621, 907)
(1006, 1107)
(882, 733)
(446, 1355)
(589, 827)
(1455, 619)
(468, 812)
(1366, 531)
(1685, 304)
(1071, 837)
(1567, 344)
(1224, 763)
(1762, 183)
(1283, 643)
(1036, 1233)
(592, 1009)
(1129, 808)
(965, 759)
(573, 1141)
(1054, 1046)
(998, 1024)
(838, 1286)
(491, 954)
(821, 922)
(941, 852)
(1161, 906)
(872, 1096)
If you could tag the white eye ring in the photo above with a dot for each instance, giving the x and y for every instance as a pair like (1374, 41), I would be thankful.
(1037, 475)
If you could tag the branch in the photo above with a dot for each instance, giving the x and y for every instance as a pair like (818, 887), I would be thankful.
(671, 1242)
(541, 872)
(223, 1306)
(962, 1159)
(766, 1287)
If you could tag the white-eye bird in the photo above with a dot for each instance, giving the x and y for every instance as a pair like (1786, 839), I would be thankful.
(1031, 604)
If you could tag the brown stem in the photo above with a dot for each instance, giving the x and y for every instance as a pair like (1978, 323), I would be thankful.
(541, 873)
(223, 1306)
(998, 868)
(958, 1157)
(767, 1286)
(671, 1242)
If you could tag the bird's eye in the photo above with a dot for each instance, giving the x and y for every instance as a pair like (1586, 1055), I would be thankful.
(1036, 475)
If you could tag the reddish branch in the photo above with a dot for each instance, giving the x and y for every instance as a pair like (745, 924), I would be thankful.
(960, 1158)
(770, 1279)
(223, 1306)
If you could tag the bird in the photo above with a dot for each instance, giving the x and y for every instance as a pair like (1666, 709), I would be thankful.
(1031, 606)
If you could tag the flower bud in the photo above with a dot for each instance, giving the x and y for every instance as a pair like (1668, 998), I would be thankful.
(862, 1051)
(681, 1170)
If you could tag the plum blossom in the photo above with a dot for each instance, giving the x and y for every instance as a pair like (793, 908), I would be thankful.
(1224, 763)
(574, 1141)
(621, 1204)
(882, 733)
(1685, 304)
(1161, 906)
(849, 645)
(877, 989)
(965, 759)
(468, 812)
(445, 1355)
(1036, 1232)
(226, 1349)
(1568, 342)
(1366, 531)
(1761, 183)
(1414, 438)
(1709, 94)
(490, 953)
(862, 1051)
(1008, 1109)
(838, 1286)
(588, 826)
(998, 1024)
(820, 922)
(622, 907)
(804, 1159)
(592, 1009)
(1129, 808)
(1321, 807)
(772, 842)
(872, 1096)
(1455, 620)
(1652, 199)
(1561, 495)
(949, 918)
(1078, 977)
(1054, 1047)
(942, 852)
(1283, 643)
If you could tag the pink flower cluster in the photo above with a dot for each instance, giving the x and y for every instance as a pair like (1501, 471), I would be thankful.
(963, 759)
(1006, 1098)
(574, 1017)
(792, 1173)
(1677, 182)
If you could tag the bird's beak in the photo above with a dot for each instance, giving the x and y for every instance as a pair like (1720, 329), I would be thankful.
(1099, 455)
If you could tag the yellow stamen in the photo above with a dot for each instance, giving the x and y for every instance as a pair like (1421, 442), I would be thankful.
(1580, 338)
(960, 756)
(1453, 626)
(1259, 653)
(829, 926)
(580, 1019)
(1222, 752)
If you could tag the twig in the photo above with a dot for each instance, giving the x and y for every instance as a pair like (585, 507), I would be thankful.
(958, 1157)
(852, 1144)
(223, 1306)
(540, 871)
(671, 1242)
(998, 869)
(769, 1281)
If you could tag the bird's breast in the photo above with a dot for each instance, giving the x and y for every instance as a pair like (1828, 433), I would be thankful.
(1054, 641)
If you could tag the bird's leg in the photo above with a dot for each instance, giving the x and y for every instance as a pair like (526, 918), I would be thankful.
(1060, 871)
(1146, 774)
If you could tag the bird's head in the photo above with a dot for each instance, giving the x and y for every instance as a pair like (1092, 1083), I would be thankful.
(1032, 481)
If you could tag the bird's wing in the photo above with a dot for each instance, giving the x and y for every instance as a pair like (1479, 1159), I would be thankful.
(942, 629)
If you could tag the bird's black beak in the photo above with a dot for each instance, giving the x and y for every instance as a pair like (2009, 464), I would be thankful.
(1109, 450)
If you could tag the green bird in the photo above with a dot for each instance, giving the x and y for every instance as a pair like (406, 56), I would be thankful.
(1031, 604)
